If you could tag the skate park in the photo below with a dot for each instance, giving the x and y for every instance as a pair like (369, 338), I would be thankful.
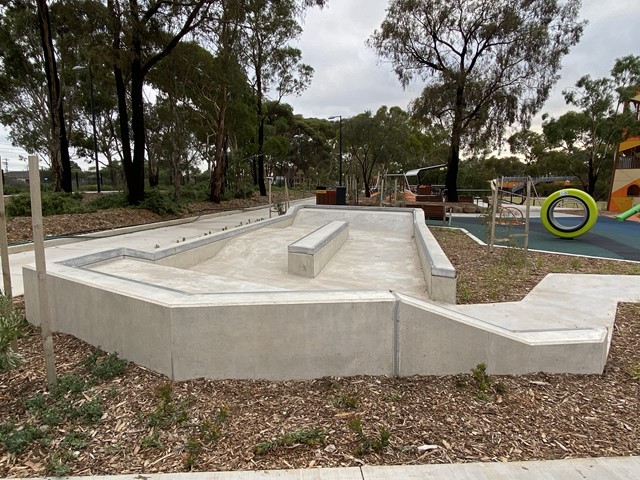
(192, 300)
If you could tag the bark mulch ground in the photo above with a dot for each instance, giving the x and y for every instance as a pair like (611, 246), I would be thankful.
(109, 417)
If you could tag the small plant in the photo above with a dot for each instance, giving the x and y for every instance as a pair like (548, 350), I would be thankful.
(90, 412)
(167, 412)
(575, 263)
(392, 397)
(209, 432)
(16, 439)
(347, 402)
(103, 367)
(76, 440)
(484, 383)
(307, 436)
(192, 450)
(151, 441)
(634, 371)
(464, 292)
(11, 325)
(481, 378)
(57, 464)
(70, 383)
(369, 444)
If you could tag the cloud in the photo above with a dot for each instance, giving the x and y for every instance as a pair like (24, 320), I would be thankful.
(349, 78)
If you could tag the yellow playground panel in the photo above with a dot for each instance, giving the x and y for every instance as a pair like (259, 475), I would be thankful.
(625, 187)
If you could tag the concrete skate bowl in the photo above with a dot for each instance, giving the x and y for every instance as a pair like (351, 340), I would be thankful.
(375, 298)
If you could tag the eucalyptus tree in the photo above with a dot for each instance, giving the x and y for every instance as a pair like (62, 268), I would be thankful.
(30, 86)
(82, 41)
(487, 64)
(275, 67)
(227, 85)
(591, 133)
(136, 49)
(60, 162)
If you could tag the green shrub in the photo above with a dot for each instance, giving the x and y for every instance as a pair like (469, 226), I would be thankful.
(103, 367)
(16, 440)
(53, 203)
(11, 324)
(19, 206)
(194, 193)
(106, 201)
(160, 203)
(244, 192)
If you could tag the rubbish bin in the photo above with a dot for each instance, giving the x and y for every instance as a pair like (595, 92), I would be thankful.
(341, 195)
(330, 197)
(321, 195)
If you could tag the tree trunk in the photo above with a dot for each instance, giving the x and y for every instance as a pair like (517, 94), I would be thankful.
(135, 179)
(592, 177)
(152, 167)
(451, 182)
(260, 167)
(220, 159)
(176, 177)
(121, 91)
(60, 162)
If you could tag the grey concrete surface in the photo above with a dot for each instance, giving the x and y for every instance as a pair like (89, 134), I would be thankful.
(224, 305)
(616, 468)
(310, 254)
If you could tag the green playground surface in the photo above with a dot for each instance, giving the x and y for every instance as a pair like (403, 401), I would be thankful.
(608, 238)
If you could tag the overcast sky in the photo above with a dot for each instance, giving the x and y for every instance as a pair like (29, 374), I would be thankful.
(349, 79)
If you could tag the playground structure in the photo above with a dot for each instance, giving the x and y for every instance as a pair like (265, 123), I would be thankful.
(624, 195)
(507, 216)
(570, 198)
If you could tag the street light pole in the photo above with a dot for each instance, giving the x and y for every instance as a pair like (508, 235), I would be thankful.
(93, 122)
(78, 68)
(340, 144)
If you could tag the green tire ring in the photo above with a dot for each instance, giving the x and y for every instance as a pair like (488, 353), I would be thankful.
(551, 224)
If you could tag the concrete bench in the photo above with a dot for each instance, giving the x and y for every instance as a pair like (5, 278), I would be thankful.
(309, 255)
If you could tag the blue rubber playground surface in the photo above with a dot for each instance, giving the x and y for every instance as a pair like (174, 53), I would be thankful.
(607, 239)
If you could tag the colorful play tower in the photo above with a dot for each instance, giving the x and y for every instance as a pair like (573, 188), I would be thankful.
(625, 187)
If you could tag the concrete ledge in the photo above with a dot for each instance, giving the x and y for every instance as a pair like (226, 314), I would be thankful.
(309, 255)
(434, 340)
(294, 335)
(439, 273)
(257, 335)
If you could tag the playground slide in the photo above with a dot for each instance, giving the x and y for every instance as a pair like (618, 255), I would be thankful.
(632, 211)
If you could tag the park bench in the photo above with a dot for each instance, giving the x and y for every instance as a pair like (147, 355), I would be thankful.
(433, 211)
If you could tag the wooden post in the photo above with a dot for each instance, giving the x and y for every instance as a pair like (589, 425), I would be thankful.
(494, 210)
(41, 270)
(528, 214)
(4, 245)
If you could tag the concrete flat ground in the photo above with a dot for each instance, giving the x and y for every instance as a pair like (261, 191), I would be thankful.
(626, 468)
(379, 255)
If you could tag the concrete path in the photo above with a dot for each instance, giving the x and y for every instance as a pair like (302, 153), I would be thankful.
(627, 468)
(144, 237)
